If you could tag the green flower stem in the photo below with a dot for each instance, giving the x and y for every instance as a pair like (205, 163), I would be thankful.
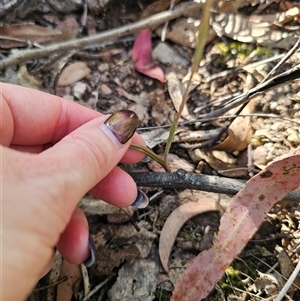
(202, 36)
(151, 154)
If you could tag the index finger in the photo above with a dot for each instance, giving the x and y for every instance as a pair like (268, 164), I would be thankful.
(40, 118)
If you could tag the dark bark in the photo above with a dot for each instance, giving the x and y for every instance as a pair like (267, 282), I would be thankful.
(186, 180)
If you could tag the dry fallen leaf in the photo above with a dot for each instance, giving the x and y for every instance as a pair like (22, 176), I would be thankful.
(27, 80)
(65, 290)
(18, 35)
(268, 283)
(239, 132)
(73, 73)
(176, 91)
(223, 162)
(157, 7)
(241, 220)
(177, 219)
(69, 29)
(154, 136)
(175, 162)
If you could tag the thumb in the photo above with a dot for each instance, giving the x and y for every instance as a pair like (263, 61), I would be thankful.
(84, 157)
(41, 191)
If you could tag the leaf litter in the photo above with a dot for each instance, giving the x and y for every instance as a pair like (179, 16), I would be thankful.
(112, 83)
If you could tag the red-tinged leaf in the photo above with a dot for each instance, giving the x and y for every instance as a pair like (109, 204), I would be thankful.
(177, 219)
(142, 47)
(142, 56)
(241, 220)
(150, 70)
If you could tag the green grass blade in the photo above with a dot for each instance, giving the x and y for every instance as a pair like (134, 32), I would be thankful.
(202, 34)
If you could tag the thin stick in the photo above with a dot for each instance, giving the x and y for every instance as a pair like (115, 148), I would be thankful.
(288, 284)
(204, 120)
(78, 44)
(96, 289)
(275, 81)
(164, 31)
(283, 60)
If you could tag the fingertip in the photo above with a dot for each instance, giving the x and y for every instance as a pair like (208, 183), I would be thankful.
(137, 139)
(117, 188)
(6, 124)
(73, 244)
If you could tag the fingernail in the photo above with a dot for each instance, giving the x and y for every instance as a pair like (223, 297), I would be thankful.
(122, 125)
(92, 259)
(141, 201)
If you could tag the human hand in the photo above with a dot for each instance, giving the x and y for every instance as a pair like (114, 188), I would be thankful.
(53, 151)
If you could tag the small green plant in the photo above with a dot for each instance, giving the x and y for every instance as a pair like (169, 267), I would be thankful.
(231, 279)
(239, 50)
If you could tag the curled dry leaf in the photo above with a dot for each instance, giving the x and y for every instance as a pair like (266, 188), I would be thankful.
(27, 80)
(268, 283)
(73, 73)
(239, 132)
(177, 219)
(241, 220)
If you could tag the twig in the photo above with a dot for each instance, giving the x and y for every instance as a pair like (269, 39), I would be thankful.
(288, 284)
(219, 101)
(164, 31)
(204, 120)
(96, 289)
(283, 60)
(272, 83)
(78, 44)
(61, 280)
(245, 97)
(182, 179)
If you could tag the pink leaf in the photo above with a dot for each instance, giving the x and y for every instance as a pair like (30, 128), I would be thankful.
(150, 70)
(177, 219)
(142, 47)
(142, 56)
(241, 220)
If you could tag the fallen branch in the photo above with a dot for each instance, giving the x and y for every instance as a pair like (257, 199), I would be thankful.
(182, 179)
(78, 44)
(274, 82)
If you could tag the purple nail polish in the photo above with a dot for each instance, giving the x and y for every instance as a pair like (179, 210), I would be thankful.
(123, 124)
(141, 201)
(92, 259)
